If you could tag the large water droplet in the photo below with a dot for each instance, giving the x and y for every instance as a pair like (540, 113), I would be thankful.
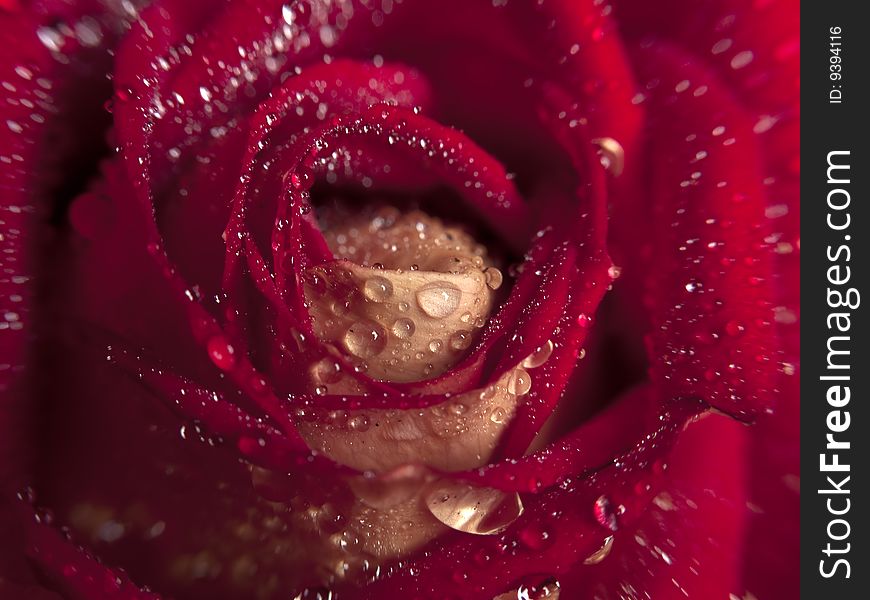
(494, 278)
(519, 383)
(378, 289)
(403, 328)
(477, 510)
(439, 299)
(539, 356)
(600, 554)
(612, 155)
(365, 339)
(460, 340)
(498, 415)
(326, 370)
(605, 513)
(358, 423)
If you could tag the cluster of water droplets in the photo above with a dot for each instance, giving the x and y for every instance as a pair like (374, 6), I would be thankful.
(411, 298)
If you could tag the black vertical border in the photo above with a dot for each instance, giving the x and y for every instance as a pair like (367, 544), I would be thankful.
(826, 127)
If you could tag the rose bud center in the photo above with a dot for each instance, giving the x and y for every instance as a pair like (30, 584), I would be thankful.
(403, 302)
(408, 296)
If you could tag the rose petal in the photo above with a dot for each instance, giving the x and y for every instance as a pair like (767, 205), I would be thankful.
(713, 304)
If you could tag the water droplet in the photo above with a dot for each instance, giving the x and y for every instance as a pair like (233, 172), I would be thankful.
(693, 286)
(378, 289)
(341, 307)
(403, 328)
(539, 356)
(435, 345)
(477, 510)
(605, 513)
(612, 155)
(365, 339)
(614, 272)
(337, 418)
(541, 591)
(741, 59)
(403, 306)
(439, 299)
(326, 370)
(460, 340)
(221, 353)
(498, 415)
(519, 382)
(584, 320)
(320, 390)
(600, 554)
(494, 278)
(457, 409)
(359, 423)
(51, 38)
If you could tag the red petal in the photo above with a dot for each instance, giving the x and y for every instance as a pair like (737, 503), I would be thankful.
(711, 302)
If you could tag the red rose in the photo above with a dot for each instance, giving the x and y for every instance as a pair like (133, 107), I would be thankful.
(395, 300)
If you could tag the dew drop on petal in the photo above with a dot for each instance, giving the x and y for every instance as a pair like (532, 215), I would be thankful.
(600, 554)
(470, 509)
(438, 299)
(741, 59)
(457, 409)
(605, 513)
(611, 154)
(498, 415)
(403, 328)
(359, 423)
(460, 340)
(378, 289)
(494, 278)
(539, 356)
(326, 370)
(365, 339)
(519, 382)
